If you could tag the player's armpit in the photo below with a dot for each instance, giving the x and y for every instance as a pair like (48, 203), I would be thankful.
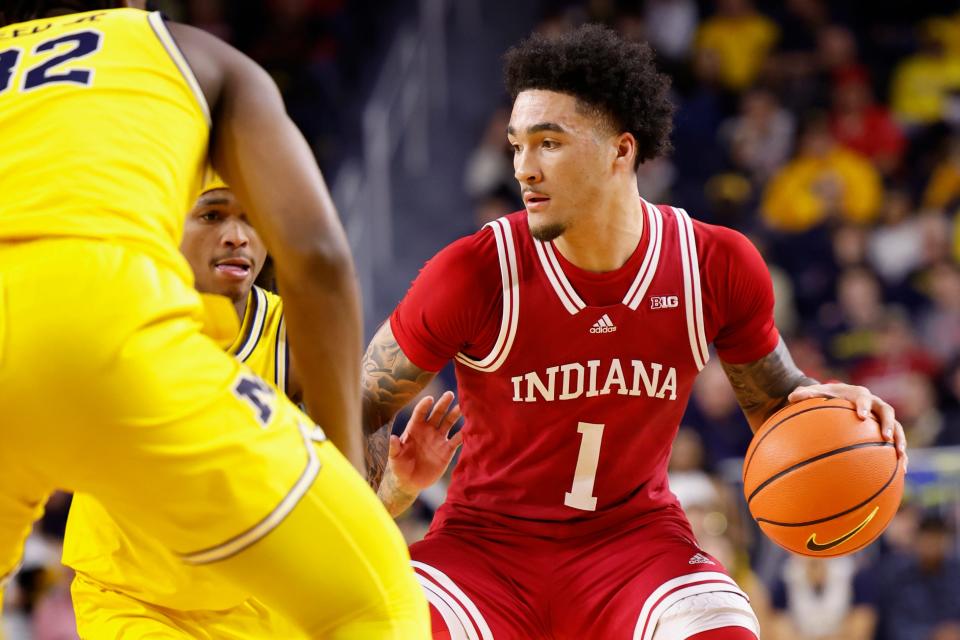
(390, 381)
(762, 386)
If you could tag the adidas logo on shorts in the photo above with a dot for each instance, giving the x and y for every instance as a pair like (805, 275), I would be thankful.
(699, 558)
(603, 325)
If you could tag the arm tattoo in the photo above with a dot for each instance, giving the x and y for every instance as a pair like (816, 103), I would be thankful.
(762, 386)
(390, 381)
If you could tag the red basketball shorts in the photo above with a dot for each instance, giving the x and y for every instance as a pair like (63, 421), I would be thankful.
(485, 585)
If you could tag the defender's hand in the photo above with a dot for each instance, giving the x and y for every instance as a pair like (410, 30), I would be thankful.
(419, 457)
(866, 404)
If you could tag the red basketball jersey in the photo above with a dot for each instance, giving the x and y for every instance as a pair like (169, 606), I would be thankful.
(573, 384)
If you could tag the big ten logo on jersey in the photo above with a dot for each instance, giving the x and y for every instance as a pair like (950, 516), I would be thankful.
(258, 394)
(664, 302)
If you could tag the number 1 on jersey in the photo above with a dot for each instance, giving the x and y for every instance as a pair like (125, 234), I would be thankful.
(581, 495)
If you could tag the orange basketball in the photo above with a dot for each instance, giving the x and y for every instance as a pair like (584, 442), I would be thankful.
(819, 480)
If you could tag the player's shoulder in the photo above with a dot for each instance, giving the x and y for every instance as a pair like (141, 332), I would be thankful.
(717, 242)
(479, 252)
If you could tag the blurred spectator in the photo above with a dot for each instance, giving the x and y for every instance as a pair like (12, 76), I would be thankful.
(671, 25)
(824, 182)
(940, 324)
(943, 188)
(896, 366)
(895, 246)
(923, 422)
(861, 125)
(819, 599)
(917, 592)
(715, 415)
(852, 324)
(654, 179)
(923, 82)
(759, 139)
(741, 37)
(689, 480)
(490, 164)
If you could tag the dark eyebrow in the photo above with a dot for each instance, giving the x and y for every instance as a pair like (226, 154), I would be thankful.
(212, 202)
(537, 128)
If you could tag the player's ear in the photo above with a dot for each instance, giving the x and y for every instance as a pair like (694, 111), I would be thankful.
(626, 146)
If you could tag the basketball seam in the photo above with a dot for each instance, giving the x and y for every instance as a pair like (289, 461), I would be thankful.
(836, 515)
(803, 463)
(746, 465)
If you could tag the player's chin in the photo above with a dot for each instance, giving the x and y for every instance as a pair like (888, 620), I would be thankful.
(544, 229)
(232, 286)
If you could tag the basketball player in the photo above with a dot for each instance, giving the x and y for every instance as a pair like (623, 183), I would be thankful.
(126, 584)
(105, 121)
(577, 328)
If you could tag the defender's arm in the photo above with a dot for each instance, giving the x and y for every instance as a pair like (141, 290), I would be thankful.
(265, 159)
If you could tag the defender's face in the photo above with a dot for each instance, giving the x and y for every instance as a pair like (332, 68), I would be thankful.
(223, 249)
(562, 158)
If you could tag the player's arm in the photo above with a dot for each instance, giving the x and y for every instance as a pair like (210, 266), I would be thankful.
(265, 159)
(763, 386)
(400, 467)
(390, 382)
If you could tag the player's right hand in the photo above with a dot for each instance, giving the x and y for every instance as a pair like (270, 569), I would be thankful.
(423, 452)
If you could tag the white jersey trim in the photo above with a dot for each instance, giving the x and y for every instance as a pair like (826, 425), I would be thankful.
(510, 279)
(454, 594)
(256, 325)
(676, 589)
(692, 295)
(280, 357)
(237, 544)
(457, 621)
(173, 49)
(558, 279)
(651, 259)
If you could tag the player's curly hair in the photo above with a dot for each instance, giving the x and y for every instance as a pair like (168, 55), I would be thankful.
(12, 11)
(614, 76)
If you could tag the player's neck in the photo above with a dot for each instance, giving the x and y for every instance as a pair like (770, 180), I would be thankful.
(240, 304)
(604, 239)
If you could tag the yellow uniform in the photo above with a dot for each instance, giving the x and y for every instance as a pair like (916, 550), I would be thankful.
(129, 585)
(107, 385)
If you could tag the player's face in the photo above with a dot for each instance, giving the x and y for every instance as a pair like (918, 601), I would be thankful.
(225, 252)
(562, 158)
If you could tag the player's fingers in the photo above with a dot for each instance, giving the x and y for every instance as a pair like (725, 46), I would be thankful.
(811, 391)
(887, 416)
(456, 440)
(450, 419)
(420, 411)
(900, 440)
(395, 446)
(440, 409)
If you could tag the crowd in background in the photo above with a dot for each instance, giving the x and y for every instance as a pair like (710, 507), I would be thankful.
(829, 133)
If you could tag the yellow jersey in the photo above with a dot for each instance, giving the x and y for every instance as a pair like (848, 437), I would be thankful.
(104, 132)
(119, 556)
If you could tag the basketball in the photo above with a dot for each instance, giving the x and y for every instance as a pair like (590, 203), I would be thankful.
(819, 481)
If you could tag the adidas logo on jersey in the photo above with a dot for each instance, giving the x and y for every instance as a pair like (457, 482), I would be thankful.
(699, 558)
(603, 325)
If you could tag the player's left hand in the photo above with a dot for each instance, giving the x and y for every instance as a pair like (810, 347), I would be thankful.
(423, 452)
(867, 404)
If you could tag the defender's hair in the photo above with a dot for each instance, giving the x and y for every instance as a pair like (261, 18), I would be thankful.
(615, 77)
(22, 10)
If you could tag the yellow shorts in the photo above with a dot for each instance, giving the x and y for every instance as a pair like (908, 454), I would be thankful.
(107, 386)
(102, 613)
